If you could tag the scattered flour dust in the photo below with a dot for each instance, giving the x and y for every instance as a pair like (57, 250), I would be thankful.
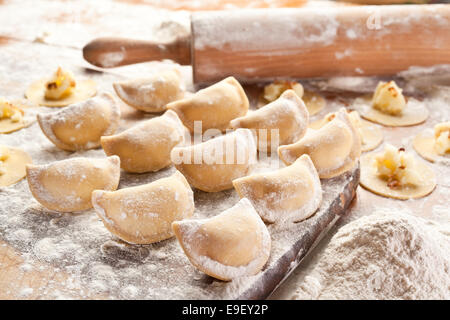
(390, 254)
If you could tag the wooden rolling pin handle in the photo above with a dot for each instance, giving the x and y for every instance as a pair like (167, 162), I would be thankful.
(115, 52)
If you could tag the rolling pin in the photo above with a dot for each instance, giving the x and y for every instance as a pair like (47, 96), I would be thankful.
(265, 44)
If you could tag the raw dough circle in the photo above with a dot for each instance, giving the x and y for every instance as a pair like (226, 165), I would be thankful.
(423, 143)
(84, 89)
(414, 113)
(14, 166)
(8, 126)
(372, 182)
(314, 102)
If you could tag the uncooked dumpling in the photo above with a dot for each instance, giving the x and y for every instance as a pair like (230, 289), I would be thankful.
(233, 244)
(11, 117)
(211, 166)
(434, 146)
(287, 116)
(67, 185)
(371, 135)
(214, 106)
(396, 174)
(144, 214)
(151, 94)
(334, 149)
(12, 165)
(60, 90)
(80, 126)
(146, 146)
(290, 194)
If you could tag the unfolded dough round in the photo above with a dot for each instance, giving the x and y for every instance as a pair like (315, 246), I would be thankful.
(144, 214)
(12, 165)
(211, 166)
(287, 115)
(84, 90)
(214, 106)
(334, 149)
(67, 185)
(424, 144)
(378, 185)
(291, 194)
(151, 94)
(146, 146)
(15, 119)
(80, 126)
(233, 244)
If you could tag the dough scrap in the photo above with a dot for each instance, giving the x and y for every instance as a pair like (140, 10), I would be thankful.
(211, 166)
(67, 185)
(11, 117)
(144, 214)
(434, 147)
(80, 126)
(233, 244)
(287, 115)
(334, 149)
(290, 194)
(151, 94)
(146, 146)
(314, 102)
(214, 106)
(371, 135)
(396, 174)
(12, 165)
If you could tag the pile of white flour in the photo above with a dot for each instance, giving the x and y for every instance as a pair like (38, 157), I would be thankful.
(389, 254)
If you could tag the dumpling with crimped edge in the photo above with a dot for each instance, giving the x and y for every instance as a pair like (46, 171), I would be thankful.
(233, 244)
(215, 106)
(288, 115)
(144, 214)
(212, 165)
(80, 126)
(67, 185)
(334, 149)
(146, 146)
(290, 194)
(153, 93)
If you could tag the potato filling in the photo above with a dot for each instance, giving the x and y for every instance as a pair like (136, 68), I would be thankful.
(388, 98)
(442, 138)
(60, 85)
(274, 90)
(397, 167)
(9, 111)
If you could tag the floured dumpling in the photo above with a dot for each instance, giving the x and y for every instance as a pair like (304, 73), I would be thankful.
(67, 185)
(389, 107)
(151, 94)
(291, 194)
(12, 165)
(233, 244)
(11, 117)
(434, 147)
(371, 136)
(211, 166)
(80, 126)
(214, 106)
(334, 149)
(396, 174)
(146, 146)
(144, 214)
(287, 116)
(60, 90)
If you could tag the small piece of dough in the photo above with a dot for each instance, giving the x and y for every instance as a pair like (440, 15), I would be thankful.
(395, 174)
(211, 166)
(144, 214)
(314, 102)
(287, 115)
(334, 149)
(214, 106)
(12, 165)
(371, 135)
(11, 117)
(434, 147)
(146, 146)
(67, 185)
(82, 90)
(289, 194)
(151, 94)
(80, 126)
(233, 244)
(274, 90)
